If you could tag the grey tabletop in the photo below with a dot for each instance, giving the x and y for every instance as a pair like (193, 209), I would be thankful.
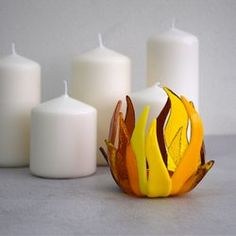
(95, 206)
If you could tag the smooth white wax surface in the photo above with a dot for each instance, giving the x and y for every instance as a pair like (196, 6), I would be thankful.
(19, 93)
(63, 139)
(153, 96)
(172, 60)
(100, 78)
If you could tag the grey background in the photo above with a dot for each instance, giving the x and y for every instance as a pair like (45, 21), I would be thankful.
(52, 32)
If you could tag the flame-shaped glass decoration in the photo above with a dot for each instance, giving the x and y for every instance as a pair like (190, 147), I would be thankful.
(162, 161)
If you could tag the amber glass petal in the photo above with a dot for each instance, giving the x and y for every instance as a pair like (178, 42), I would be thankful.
(132, 170)
(112, 153)
(160, 121)
(114, 123)
(122, 172)
(203, 153)
(196, 178)
(190, 160)
(123, 136)
(104, 154)
(130, 115)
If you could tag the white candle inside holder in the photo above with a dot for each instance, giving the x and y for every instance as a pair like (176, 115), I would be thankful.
(172, 60)
(63, 138)
(153, 96)
(100, 78)
(19, 93)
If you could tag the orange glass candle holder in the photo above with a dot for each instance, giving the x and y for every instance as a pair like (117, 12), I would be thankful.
(162, 161)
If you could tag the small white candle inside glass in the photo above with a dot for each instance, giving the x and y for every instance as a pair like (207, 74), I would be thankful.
(172, 60)
(20, 91)
(63, 138)
(153, 96)
(100, 78)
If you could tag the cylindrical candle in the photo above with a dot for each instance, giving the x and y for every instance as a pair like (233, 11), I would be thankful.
(172, 60)
(100, 78)
(63, 138)
(19, 93)
(153, 96)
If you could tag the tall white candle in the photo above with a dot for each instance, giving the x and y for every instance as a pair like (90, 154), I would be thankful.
(101, 77)
(172, 60)
(19, 93)
(63, 138)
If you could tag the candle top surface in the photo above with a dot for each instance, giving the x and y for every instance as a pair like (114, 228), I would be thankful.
(64, 105)
(102, 54)
(174, 34)
(150, 94)
(17, 60)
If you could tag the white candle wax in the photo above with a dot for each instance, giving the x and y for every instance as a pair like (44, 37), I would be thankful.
(19, 93)
(63, 138)
(100, 78)
(153, 96)
(172, 60)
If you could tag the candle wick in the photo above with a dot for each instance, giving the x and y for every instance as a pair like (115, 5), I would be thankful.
(66, 87)
(100, 40)
(173, 23)
(13, 48)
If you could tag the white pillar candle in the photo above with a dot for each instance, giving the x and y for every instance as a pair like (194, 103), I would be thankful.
(172, 60)
(63, 138)
(19, 93)
(100, 78)
(153, 96)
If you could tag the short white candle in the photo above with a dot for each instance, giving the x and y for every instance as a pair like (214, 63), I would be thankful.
(100, 78)
(19, 93)
(153, 96)
(63, 138)
(172, 60)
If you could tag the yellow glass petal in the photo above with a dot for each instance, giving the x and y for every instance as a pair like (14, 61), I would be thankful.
(174, 151)
(138, 146)
(159, 182)
(195, 179)
(178, 119)
(171, 163)
(190, 160)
